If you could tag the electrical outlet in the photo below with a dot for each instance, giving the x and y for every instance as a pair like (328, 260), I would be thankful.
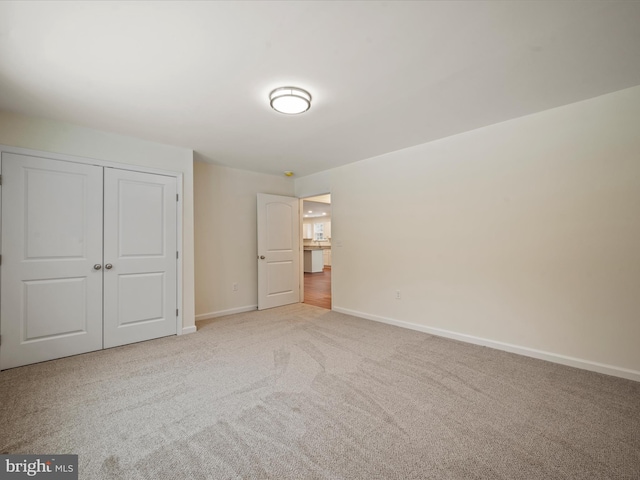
(235, 287)
(398, 295)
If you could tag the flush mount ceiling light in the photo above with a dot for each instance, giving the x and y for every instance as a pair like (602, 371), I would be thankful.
(290, 100)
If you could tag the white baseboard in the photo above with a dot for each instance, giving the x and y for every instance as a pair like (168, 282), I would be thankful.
(222, 313)
(191, 329)
(507, 347)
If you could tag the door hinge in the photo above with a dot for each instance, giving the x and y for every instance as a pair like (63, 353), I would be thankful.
(176, 254)
(0, 179)
(176, 312)
(177, 196)
(0, 259)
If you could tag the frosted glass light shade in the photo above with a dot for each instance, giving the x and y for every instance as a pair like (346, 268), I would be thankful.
(290, 100)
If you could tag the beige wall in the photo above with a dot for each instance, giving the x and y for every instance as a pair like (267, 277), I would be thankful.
(311, 185)
(58, 137)
(226, 236)
(523, 235)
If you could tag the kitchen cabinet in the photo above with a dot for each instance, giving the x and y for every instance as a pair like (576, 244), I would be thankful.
(326, 254)
(316, 230)
(327, 229)
(307, 231)
(313, 261)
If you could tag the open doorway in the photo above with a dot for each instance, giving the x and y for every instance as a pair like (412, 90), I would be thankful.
(316, 239)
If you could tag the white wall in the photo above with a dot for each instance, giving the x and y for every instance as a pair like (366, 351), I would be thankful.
(226, 236)
(523, 235)
(311, 185)
(58, 137)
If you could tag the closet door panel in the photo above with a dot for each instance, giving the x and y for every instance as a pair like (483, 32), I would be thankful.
(51, 294)
(140, 246)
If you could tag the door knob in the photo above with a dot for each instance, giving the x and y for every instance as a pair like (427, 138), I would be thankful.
(97, 266)
(262, 257)
(108, 266)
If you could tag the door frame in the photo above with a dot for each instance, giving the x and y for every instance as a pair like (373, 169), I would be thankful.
(122, 166)
(302, 199)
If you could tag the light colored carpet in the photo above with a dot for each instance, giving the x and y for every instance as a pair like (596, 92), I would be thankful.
(301, 392)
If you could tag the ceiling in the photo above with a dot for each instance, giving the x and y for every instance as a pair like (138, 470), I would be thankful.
(319, 206)
(383, 75)
(314, 210)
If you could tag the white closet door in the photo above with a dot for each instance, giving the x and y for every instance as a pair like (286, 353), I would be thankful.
(51, 294)
(139, 256)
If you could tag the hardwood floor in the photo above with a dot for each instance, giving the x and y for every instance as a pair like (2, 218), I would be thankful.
(317, 288)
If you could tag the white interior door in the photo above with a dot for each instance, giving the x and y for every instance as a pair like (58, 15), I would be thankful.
(278, 251)
(139, 256)
(51, 294)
